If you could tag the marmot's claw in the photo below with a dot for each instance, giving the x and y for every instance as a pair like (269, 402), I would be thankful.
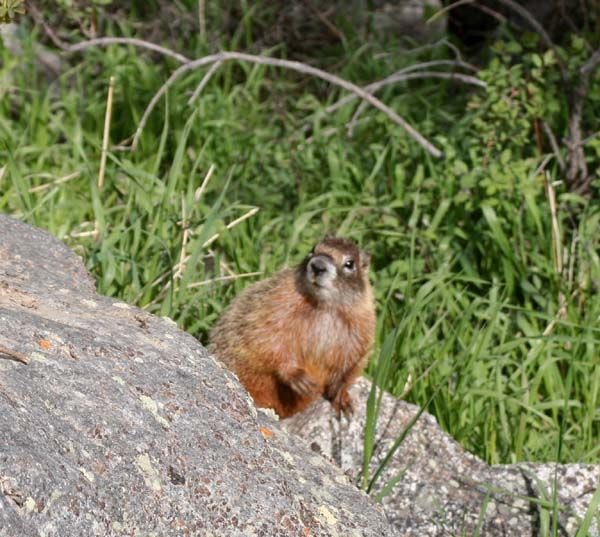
(342, 403)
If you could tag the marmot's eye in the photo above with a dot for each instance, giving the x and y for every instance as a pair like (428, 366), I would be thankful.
(349, 264)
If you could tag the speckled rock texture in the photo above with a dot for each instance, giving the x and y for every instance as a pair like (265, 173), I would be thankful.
(444, 489)
(121, 424)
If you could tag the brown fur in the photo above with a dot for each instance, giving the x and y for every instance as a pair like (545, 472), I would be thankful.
(288, 347)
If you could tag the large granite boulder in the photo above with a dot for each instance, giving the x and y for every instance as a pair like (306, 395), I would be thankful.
(443, 489)
(121, 424)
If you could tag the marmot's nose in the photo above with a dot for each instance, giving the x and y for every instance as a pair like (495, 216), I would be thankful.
(317, 265)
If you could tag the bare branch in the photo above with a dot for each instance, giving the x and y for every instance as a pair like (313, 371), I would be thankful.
(324, 20)
(467, 79)
(553, 144)
(37, 17)
(286, 64)
(398, 77)
(402, 76)
(491, 12)
(438, 63)
(577, 173)
(205, 79)
(101, 41)
(485, 9)
(106, 41)
(589, 66)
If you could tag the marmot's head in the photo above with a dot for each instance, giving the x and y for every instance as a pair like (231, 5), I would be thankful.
(335, 271)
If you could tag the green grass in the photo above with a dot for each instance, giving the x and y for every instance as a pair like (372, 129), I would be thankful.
(463, 262)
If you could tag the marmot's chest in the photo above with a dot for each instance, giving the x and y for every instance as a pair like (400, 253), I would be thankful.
(328, 341)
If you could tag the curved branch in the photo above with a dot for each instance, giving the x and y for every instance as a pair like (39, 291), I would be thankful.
(205, 79)
(406, 74)
(402, 77)
(105, 41)
(286, 64)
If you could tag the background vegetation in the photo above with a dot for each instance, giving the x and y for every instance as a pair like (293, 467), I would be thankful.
(487, 294)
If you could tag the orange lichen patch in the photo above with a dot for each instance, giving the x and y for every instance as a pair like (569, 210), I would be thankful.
(306, 532)
(267, 433)
(45, 344)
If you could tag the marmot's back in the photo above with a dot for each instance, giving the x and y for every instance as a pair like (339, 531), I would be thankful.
(304, 332)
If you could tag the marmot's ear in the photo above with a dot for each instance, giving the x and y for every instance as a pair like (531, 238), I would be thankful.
(365, 259)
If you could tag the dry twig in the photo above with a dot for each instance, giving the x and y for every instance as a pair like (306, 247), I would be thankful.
(577, 173)
(184, 240)
(105, 41)
(397, 77)
(106, 135)
(36, 15)
(194, 285)
(231, 224)
(324, 20)
(56, 182)
(213, 68)
(553, 144)
(202, 19)
(558, 261)
(13, 355)
(558, 265)
(403, 74)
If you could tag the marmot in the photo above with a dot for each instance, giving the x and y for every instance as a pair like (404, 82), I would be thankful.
(305, 332)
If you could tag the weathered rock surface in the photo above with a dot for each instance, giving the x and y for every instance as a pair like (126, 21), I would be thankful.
(446, 490)
(306, 27)
(121, 424)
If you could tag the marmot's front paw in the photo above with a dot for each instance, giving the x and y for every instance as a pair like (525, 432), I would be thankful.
(302, 384)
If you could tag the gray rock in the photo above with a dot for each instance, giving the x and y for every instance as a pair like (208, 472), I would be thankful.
(121, 424)
(307, 26)
(408, 18)
(46, 62)
(444, 489)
